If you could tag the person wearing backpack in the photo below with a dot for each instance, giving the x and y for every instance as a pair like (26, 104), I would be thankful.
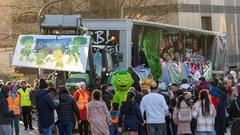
(66, 110)
(45, 107)
(182, 117)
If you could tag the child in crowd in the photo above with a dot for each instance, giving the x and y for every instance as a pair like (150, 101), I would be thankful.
(115, 116)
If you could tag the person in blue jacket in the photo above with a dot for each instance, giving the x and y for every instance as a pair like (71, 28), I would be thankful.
(130, 116)
(45, 107)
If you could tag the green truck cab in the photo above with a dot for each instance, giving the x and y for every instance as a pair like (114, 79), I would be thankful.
(75, 78)
(102, 64)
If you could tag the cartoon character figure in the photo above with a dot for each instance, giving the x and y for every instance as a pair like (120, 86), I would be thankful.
(41, 57)
(122, 80)
(27, 42)
(58, 54)
(73, 52)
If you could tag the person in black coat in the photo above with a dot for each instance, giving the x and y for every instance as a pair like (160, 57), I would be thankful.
(233, 109)
(130, 115)
(138, 98)
(136, 79)
(45, 107)
(220, 120)
(5, 113)
(66, 110)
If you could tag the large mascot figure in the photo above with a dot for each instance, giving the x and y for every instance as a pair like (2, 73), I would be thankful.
(122, 81)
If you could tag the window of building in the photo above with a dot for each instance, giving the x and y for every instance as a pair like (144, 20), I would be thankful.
(206, 22)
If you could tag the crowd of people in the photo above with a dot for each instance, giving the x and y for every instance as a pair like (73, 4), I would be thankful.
(151, 108)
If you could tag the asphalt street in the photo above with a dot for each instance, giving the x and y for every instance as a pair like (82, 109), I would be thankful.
(35, 131)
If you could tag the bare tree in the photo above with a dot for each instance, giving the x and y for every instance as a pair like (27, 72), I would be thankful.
(20, 16)
(126, 9)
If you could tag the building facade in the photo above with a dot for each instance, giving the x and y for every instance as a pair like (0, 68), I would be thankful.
(214, 15)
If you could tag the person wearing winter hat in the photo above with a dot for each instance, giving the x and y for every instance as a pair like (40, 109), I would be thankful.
(82, 97)
(45, 106)
(5, 113)
(26, 105)
(14, 105)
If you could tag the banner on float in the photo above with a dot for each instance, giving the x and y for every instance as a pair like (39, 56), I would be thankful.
(64, 53)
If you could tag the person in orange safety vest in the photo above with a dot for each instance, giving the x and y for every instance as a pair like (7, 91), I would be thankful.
(82, 99)
(115, 112)
(14, 105)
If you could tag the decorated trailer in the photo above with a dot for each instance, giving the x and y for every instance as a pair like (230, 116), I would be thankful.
(170, 52)
(64, 45)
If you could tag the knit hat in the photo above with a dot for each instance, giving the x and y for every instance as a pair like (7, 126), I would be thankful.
(43, 84)
(80, 84)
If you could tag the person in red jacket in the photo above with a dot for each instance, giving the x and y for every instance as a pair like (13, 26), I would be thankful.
(82, 98)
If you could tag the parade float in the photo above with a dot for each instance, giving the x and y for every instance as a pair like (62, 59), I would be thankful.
(169, 52)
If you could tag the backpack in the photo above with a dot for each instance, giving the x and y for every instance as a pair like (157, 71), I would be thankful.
(185, 114)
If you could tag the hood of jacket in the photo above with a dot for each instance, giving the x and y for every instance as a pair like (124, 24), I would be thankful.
(114, 113)
(97, 104)
(40, 93)
(183, 104)
(215, 91)
(64, 97)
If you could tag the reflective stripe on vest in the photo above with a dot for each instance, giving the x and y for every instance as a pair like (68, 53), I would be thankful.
(14, 105)
(25, 97)
(82, 100)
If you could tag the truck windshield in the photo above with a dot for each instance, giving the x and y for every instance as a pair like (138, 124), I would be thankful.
(97, 59)
(109, 61)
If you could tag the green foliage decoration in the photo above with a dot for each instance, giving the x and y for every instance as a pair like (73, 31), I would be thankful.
(79, 41)
(73, 53)
(25, 52)
(150, 47)
(41, 57)
(27, 40)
